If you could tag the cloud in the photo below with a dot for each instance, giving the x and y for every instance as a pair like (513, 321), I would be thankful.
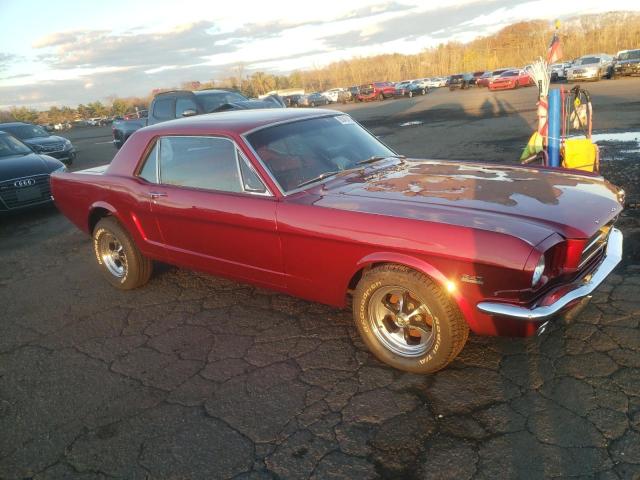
(88, 88)
(55, 39)
(183, 45)
(442, 22)
(6, 59)
(377, 9)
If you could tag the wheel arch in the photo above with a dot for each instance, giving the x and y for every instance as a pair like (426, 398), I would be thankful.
(98, 211)
(417, 264)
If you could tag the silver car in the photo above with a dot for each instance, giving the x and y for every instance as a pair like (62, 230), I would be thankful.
(590, 67)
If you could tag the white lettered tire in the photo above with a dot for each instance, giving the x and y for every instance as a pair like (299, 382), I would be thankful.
(118, 257)
(406, 320)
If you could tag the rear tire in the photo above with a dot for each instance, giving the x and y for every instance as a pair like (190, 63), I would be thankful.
(119, 259)
(406, 320)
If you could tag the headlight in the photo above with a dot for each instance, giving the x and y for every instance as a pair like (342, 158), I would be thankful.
(67, 142)
(538, 271)
(62, 169)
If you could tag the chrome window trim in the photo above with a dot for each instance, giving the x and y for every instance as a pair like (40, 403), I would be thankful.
(159, 144)
(268, 193)
(249, 165)
(333, 113)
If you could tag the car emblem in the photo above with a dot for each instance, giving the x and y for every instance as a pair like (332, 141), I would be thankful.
(25, 182)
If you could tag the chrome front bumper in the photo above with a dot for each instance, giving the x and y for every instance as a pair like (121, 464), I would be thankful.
(588, 284)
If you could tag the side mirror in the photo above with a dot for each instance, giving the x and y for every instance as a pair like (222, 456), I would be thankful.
(189, 112)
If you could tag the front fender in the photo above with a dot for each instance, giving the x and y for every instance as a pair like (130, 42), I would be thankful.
(422, 266)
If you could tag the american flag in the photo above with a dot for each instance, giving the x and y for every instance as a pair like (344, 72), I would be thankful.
(554, 52)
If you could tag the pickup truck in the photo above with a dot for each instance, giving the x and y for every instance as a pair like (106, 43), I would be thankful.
(307, 202)
(184, 103)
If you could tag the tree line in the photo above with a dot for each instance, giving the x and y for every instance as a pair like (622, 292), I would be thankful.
(515, 45)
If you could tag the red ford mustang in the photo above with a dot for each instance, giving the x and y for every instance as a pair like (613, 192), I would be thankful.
(311, 204)
(511, 79)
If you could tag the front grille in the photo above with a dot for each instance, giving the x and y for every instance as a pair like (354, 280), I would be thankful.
(18, 197)
(595, 245)
(51, 147)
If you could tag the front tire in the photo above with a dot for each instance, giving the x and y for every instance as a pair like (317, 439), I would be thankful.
(119, 259)
(406, 320)
(380, 97)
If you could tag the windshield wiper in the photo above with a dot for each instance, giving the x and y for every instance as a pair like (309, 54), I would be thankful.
(322, 176)
(377, 158)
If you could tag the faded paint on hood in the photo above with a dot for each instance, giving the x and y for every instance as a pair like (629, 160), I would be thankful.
(526, 202)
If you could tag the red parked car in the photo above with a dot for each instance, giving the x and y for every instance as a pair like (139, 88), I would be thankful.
(489, 76)
(376, 91)
(311, 204)
(511, 79)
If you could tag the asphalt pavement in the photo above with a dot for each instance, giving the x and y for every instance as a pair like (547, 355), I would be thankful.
(197, 377)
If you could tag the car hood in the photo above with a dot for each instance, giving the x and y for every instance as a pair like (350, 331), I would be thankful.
(528, 203)
(631, 61)
(41, 140)
(584, 67)
(17, 166)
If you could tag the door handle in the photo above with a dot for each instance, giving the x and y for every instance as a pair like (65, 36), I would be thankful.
(157, 194)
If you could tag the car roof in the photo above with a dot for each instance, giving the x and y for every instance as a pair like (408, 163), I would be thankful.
(236, 122)
(13, 124)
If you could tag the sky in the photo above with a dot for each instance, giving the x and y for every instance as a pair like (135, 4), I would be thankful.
(67, 52)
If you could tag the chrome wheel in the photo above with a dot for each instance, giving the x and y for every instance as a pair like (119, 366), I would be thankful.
(401, 321)
(112, 254)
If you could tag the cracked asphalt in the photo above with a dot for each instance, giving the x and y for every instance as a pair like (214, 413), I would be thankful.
(197, 377)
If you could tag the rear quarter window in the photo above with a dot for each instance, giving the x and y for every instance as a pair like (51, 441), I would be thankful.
(163, 108)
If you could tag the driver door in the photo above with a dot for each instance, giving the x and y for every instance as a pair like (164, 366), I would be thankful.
(213, 212)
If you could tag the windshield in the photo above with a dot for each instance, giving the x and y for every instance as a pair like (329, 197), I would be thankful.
(631, 55)
(302, 150)
(12, 146)
(510, 73)
(588, 61)
(212, 101)
(24, 132)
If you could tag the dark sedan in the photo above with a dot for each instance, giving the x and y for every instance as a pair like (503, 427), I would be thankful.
(313, 100)
(24, 175)
(41, 141)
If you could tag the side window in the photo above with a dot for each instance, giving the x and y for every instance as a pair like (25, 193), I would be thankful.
(185, 103)
(163, 108)
(149, 170)
(200, 162)
(250, 180)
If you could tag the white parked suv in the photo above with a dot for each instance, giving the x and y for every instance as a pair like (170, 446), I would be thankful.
(332, 94)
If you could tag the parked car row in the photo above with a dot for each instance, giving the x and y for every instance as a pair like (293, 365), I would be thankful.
(596, 66)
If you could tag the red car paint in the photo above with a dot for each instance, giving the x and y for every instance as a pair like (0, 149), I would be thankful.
(376, 91)
(510, 80)
(481, 227)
